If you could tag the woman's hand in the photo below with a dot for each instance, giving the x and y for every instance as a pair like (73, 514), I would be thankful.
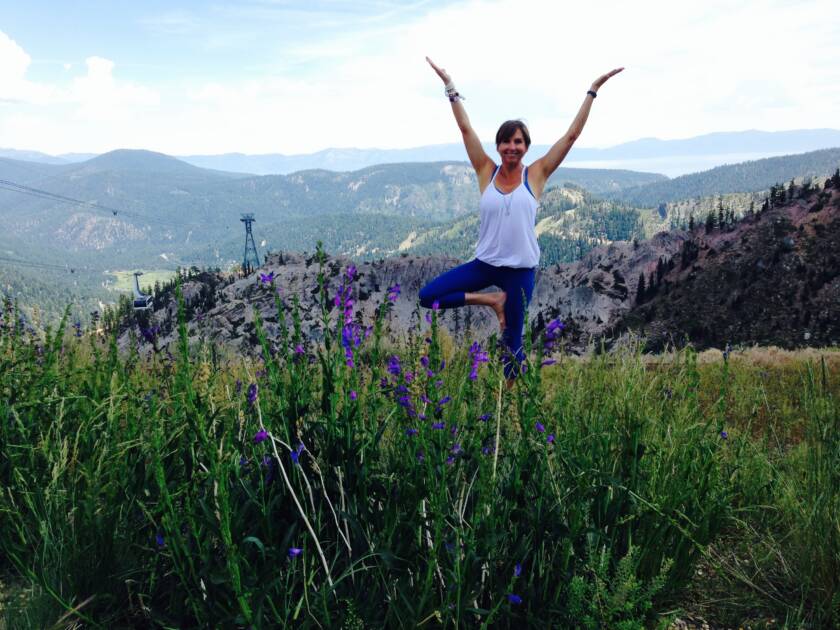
(600, 80)
(440, 72)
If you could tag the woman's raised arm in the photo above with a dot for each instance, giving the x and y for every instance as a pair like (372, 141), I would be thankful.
(541, 170)
(480, 161)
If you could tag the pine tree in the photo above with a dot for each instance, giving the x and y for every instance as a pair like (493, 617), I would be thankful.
(751, 211)
(791, 190)
(691, 223)
(640, 289)
(710, 222)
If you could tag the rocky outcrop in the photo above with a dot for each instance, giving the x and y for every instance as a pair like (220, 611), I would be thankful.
(773, 278)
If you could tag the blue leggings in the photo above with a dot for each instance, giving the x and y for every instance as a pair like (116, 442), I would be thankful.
(449, 288)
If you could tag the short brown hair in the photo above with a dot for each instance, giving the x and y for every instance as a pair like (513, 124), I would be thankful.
(509, 128)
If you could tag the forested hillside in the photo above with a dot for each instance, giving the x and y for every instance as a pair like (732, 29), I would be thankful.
(749, 176)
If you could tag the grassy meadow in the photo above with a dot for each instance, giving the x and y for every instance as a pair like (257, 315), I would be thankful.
(351, 484)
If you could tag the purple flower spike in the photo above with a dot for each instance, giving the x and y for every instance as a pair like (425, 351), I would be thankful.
(428, 318)
(161, 542)
(550, 438)
(435, 305)
(444, 400)
(296, 453)
(450, 460)
(485, 417)
(539, 427)
(294, 552)
(548, 362)
(353, 394)
(517, 570)
(724, 435)
(439, 426)
(424, 361)
(393, 292)
(351, 272)
(514, 598)
(410, 432)
(261, 436)
(267, 278)
(252, 393)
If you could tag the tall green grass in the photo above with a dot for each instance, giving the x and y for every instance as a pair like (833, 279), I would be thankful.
(139, 491)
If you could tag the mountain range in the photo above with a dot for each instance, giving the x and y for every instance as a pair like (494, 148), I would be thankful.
(138, 209)
(670, 157)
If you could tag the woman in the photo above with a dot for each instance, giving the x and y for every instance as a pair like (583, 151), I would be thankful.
(507, 254)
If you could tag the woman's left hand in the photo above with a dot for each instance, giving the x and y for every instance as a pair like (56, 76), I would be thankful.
(603, 78)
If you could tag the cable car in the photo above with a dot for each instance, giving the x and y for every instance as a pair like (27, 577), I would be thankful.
(142, 302)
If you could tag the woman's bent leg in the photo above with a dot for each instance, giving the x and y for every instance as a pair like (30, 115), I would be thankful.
(448, 289)
(519, 286)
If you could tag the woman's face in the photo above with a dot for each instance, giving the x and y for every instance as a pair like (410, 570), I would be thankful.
(513, 149)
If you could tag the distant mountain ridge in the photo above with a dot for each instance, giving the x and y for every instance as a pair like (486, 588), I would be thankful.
(694, 153)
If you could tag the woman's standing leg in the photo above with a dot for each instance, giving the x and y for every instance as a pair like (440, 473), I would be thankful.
(519, 286)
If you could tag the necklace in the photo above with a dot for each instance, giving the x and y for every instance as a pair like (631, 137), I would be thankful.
(507, 200)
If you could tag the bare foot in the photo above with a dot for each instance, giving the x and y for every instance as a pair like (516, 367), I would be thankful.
(497, 303)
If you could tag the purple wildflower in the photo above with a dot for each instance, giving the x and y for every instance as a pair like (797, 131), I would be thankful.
(298, 349)
(394, 292)
(456, 449)
(252, 393)
(267, 278)
(548, 362)
(420, 456)
(450, 460)
(394, 366)
(550, 438)
(724, 435)
(444, 400)
(485, 417)
(517, 570)
(514, 599)
(261, 436)
(436, 305)
(353, 394)
(351, 272)
(294, 552)
(410, 432)
(424, 361)
(439, 426)
(539, 427)
(454, 429)
(295, 453)
(159, 539)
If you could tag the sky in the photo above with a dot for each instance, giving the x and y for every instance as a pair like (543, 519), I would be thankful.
(290, 76)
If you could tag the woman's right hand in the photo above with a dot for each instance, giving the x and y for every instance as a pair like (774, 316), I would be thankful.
(440, 72)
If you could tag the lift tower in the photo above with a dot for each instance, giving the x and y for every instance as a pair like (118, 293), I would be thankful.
(250, 247)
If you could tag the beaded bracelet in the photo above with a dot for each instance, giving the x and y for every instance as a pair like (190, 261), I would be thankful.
(593, 93)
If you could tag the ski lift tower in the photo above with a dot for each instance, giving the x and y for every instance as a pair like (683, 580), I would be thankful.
(250, 247)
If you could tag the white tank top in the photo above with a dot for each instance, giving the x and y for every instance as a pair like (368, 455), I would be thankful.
(506, 236)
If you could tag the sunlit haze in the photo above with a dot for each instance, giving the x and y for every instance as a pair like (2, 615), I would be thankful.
(297, 77)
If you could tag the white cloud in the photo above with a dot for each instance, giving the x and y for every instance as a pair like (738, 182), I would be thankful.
(14, 87)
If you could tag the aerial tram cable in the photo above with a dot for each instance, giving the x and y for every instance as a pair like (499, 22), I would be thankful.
(45, 194)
